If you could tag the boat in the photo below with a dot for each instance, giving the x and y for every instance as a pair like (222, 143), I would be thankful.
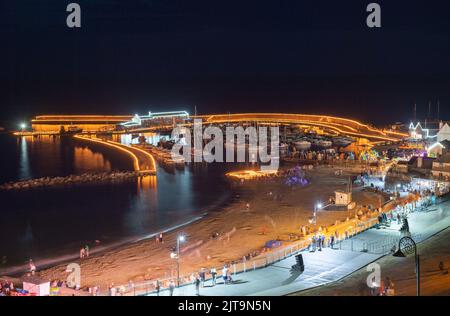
(324, 143)
(164, 155)
(342, 141)
(319, 142)
(302, 145)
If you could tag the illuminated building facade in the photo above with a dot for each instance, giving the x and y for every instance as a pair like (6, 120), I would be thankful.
(156, 118)
(88, 123)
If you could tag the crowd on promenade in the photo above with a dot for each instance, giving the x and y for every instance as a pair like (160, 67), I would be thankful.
(204, 277)
(320, 155)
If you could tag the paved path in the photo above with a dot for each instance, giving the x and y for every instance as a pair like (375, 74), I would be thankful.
(328, 265)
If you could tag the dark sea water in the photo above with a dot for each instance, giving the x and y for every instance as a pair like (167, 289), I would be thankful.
(51, 224)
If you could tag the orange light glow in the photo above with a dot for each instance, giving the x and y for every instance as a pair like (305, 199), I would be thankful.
(112, 144)
(251, 174)
(152, 159)
(343, 125)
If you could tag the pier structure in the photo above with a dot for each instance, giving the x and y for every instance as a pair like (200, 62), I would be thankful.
(336, 125)
(166, 121)
(143, 161)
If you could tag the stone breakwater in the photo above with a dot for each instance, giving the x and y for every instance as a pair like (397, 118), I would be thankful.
(73, 179)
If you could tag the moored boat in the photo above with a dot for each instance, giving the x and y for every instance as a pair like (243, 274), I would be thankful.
(342, 141)
(302, 144)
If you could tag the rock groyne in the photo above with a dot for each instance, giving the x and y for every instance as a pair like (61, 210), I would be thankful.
(73, 179)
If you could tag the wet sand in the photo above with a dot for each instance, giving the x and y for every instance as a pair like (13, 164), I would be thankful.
(272, 216)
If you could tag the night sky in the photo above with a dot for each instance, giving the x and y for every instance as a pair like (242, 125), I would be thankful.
(224, 56)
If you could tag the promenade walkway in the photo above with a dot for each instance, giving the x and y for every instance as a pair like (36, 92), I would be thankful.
(327, 266)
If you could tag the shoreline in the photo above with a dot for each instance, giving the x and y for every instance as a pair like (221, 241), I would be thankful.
(17, 271)
(70, 252)
(268, 218)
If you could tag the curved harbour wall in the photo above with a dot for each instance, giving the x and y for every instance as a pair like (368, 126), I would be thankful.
(142, 160)
(143, 164)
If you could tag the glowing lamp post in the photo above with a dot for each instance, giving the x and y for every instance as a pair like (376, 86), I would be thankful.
(176, 256)
(22, 126)
(397, 189)
(317, 207)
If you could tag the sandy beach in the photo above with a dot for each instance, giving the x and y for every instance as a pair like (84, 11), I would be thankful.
(276, 210)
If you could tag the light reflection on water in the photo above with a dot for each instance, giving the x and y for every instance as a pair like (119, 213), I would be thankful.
(85, 160)
(53, 156)
(24, 169)
(56, 222)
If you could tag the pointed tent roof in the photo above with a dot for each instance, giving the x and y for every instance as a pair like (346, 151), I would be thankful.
(445, 129)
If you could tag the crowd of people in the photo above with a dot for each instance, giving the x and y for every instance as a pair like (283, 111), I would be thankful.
(320, 241)
(198, 279)
(6, 287)
(321, 155)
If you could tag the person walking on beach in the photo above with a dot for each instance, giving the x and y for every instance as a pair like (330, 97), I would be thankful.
(202, 275)
(314, 242)
(214, 276)
(197, 285)
(157, 287)
(112, 290)
(131, 286)
(86, 250)
(82, 253)
(171, 287)
(32, 267)
(229, 278)
(161, 238)
(225, 274)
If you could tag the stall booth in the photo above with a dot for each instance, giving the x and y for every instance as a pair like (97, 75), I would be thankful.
(36, 286)
(343, 198)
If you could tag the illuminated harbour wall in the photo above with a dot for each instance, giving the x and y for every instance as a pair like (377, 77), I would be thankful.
(94, 123)
(88, 123)
(142, 160)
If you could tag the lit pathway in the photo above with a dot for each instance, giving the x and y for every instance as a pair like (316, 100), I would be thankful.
(323, 267)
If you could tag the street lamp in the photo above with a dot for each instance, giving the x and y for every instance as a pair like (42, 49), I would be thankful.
(180, 239)
(317, 207)
(406, 246)
(22, 126)
(396, 189)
